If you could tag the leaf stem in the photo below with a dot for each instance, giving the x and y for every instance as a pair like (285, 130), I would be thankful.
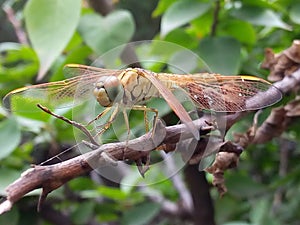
(215, 19)
(10, 14)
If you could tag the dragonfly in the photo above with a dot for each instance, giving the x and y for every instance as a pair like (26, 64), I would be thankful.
(132, 87)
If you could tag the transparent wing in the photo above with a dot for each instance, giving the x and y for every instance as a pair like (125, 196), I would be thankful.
(226, 93)
(172, 101)
(66, 93)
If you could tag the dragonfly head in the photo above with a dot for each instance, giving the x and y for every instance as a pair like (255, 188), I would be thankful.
(107, 90)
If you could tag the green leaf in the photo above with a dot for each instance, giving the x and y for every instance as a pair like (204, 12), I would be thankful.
(182, 62)
(201, 27)
(242, 185)
(162, 6)
(112, 193)
(11, 217)
(259, 213)
(50, 25)
(241, 30)
(26, 105)
(182, 38)
(141, 214)
(221, 54)
(83, 212)
(10, 136)
(78, 55)
(181, 13)
(260, 16)
(238, 223)
(17, 67)
(105, 33)
(294, 12)
(226, 207)
(81, 183)
(106, 212)
(7, 176)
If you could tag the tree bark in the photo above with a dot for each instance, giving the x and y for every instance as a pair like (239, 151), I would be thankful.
(203, 213)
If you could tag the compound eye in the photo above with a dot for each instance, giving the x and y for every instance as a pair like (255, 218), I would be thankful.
(107, 90)
(101, 95)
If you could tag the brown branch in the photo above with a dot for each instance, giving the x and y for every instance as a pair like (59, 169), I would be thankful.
(286, 148)
(215, 19)
(178, 183)
(104, 7)
(169, 208)
(10, 14)
(282, 64)
(279, 119)
(51, 177)
(199, 189)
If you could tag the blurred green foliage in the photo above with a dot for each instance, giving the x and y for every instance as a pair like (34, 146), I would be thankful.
(233, 42)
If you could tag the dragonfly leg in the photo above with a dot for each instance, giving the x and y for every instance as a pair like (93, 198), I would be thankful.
(110, 120)
(104, 112)
(126, 119)
(146, 121)
(71, 122)
(128, 130)
(143, 164)
(126, 123)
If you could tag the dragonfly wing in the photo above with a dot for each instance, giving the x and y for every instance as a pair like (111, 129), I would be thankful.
(266, 95)
(60, 94)
(74, 70)
(234, 94)
(173, 102)
(226, 93)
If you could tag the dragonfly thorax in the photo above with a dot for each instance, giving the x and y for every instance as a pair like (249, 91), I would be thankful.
(107, 90)
(137, 88)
